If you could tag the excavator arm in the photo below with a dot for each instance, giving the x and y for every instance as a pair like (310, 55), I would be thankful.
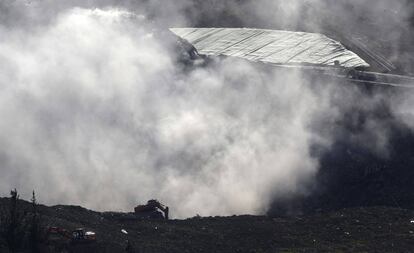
(163, 208)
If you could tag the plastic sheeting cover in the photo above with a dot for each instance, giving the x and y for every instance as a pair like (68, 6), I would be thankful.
(271, 46)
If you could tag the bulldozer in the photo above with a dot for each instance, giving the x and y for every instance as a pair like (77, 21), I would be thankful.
(152, 210)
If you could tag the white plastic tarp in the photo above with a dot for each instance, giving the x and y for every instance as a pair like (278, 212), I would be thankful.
(271, 46)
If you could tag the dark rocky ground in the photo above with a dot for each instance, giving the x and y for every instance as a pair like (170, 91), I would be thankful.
(362, 229)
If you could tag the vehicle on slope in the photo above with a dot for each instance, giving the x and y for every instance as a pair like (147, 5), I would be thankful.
(61, 235)
(153, 209)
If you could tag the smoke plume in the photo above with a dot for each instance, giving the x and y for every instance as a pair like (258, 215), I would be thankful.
(96, 109)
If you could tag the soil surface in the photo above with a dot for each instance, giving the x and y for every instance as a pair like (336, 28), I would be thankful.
(373, 229)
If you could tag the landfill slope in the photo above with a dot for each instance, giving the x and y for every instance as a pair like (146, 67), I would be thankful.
(374, 229)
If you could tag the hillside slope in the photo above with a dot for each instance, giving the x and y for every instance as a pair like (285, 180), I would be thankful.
(375, 229)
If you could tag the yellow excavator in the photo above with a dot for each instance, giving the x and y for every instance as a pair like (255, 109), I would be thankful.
(153, 209)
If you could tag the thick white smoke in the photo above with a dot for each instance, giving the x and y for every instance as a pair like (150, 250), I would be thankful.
(95, 111)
